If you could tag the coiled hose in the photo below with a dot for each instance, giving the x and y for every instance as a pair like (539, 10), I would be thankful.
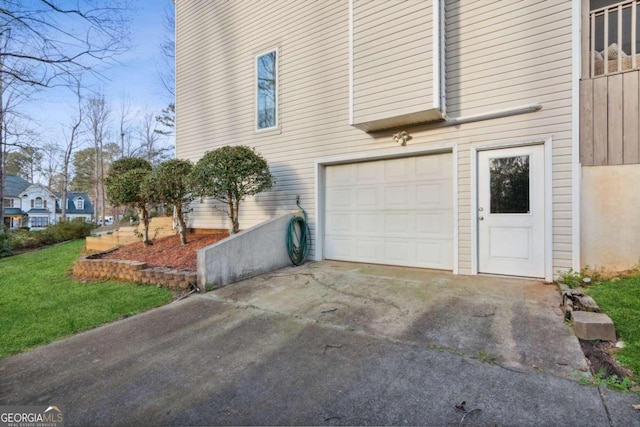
(298, 237)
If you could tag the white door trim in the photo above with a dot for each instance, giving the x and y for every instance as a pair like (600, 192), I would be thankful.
(322, 163)
(548, 198)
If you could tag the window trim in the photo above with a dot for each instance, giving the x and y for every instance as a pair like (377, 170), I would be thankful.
(79, 203)
(37, 205)
(255, 88)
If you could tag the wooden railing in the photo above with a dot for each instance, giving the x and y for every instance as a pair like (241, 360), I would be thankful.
(607, 54)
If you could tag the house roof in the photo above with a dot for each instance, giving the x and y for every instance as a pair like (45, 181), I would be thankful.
(38, 211)
(12, 211)
(14, 186)
(71, 206)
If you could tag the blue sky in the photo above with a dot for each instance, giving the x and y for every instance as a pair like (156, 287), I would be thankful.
(135, 76)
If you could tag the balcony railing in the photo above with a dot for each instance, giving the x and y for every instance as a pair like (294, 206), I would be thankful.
(613, 38)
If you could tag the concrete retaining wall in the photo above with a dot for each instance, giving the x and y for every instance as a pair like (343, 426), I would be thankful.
(257, 250)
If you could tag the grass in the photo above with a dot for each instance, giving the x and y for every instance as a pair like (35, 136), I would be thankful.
(620, 299)
(41, 303)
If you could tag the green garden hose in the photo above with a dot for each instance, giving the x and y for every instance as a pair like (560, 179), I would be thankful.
(298, 237)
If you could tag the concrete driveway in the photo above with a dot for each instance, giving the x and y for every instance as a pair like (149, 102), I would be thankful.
(327, 344)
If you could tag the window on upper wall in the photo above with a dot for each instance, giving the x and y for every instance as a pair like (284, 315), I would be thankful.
(38, 203)
(80, 204)
(267, 91)
(8, 203)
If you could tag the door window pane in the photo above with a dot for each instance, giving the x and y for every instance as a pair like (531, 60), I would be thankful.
(509, 178)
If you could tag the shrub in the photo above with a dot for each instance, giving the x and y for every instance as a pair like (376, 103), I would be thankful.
(229, 175)
(69, 230)
(22, 239)
(60, 232)
(5, 249)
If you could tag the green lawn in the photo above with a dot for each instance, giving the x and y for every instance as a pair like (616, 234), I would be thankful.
(40, 302)
(621, 301)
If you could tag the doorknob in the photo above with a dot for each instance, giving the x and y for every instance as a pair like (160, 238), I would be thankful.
(480, 218)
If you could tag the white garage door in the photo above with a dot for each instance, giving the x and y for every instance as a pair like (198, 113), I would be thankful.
(396, 211)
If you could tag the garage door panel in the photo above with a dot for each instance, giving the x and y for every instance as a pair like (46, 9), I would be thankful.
(434, 253)
(396, 223)
(434, 167)
(340, 222)
(367, 250)
(400, 170)
(368, 197)
(397, 197)
(434, 195)
(340, 247)
(367, 224)
(339, 198)
(434, 225)
(397, 211)
(340, 175)
(369, 172)
(397, 251)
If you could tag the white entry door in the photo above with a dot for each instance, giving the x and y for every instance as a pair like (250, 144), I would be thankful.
(511, 211)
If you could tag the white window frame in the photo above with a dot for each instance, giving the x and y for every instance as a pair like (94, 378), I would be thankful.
(255, 88)
(79, 204)
(35, 203)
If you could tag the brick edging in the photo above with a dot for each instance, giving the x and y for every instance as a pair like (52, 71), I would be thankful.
(96, 268)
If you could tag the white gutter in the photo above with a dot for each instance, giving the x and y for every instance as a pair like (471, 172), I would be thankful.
(496, 114)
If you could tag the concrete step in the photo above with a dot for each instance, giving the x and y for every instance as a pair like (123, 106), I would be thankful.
(592, 326)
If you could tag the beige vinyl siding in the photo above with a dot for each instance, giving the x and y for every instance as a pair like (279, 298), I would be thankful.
(392, 62)
(216, 47)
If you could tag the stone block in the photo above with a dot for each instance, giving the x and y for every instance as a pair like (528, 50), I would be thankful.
(593, 326)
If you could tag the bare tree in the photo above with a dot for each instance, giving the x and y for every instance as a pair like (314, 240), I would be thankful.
(15, 131)
(98, 113)
(54, 39)
(72, 141)
(150, 147)
(167, 70)
(49, 167)
(125, 113)
(44, 43)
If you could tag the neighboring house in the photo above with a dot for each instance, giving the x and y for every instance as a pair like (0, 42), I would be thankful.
(14, 187)
(78, 207)
(426, 133)
(34, 206)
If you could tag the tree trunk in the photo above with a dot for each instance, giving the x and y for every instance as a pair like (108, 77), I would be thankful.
(96, 187)
(2, 144)
(182, 227)
(236, 221)
(233, 216)
(102, 190)
(144, 219)
(1, 165)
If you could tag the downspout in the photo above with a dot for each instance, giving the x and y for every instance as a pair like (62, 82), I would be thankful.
(439, 49)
